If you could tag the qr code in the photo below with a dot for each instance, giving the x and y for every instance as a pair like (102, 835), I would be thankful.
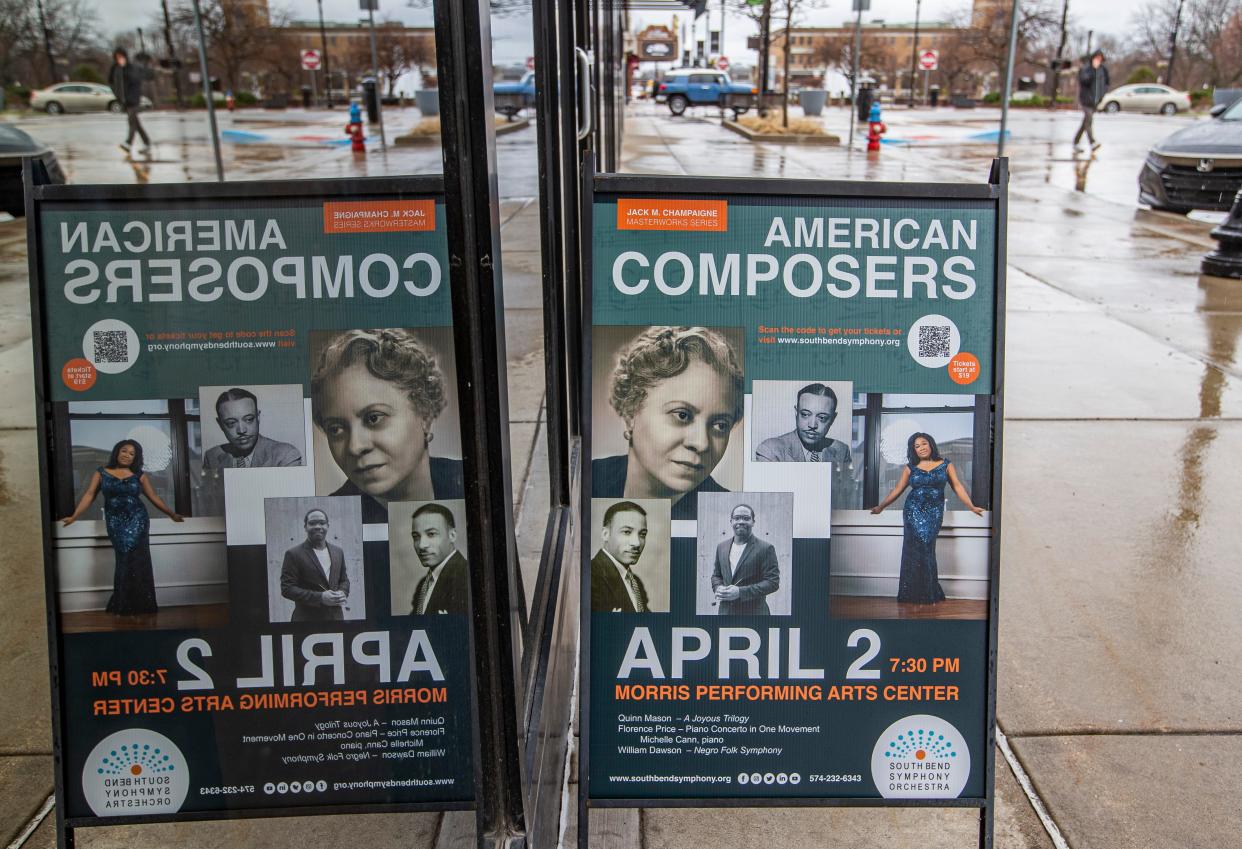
(934, 341)
(111, 346)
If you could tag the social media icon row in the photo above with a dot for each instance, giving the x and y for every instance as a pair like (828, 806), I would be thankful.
(769, 778)
(295, 787)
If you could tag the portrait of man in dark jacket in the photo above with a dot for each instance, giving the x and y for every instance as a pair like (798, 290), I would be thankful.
(746, 569)
(313, 574)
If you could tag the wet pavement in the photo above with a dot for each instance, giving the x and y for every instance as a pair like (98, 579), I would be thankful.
(1119, 666)
(256, 145)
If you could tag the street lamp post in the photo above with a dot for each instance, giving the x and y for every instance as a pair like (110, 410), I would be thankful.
(1177, 25)
(211, 105)
(371, 5)
(1009, 59)
(858, 7)
(914, 49)
(172, 55)
(327, 69)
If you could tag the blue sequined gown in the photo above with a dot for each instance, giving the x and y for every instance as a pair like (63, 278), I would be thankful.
(922, 517)
(133, 585)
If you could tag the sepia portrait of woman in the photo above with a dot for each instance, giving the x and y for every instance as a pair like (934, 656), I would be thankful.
(375, 395)
(679, 392)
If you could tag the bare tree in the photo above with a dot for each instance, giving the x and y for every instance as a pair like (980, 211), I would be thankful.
(990, 34)
(401, 51)
(1212, 28)
(235, 38)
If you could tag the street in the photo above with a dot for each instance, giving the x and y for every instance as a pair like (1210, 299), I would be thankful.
(1118, 662)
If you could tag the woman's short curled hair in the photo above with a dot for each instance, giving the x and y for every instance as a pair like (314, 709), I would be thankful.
(395, 355)
(659, 353)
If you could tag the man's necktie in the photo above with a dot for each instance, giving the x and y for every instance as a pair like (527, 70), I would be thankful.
(636, 588)
(814, 456)
(241, 462)
(420, 596)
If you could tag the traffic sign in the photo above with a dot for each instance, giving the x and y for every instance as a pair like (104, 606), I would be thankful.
(530, 63)
(311, 59)
(722, 63)
(929, 59)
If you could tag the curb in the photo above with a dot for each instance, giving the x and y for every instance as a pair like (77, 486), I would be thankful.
(826, 139)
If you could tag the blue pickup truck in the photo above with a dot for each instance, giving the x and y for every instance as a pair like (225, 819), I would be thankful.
(687, 87)
(512, 97)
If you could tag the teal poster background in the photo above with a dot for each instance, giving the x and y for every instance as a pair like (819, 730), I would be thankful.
(211, 341)
(810, 704)
(255, 714)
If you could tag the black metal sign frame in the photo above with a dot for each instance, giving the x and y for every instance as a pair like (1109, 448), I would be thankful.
(39, 194)
(670, 187)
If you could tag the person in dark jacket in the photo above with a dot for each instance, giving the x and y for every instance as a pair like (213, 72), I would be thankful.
(1092, 86)
(126, 82)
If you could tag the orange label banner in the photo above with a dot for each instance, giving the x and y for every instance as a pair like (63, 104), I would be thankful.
(702, 216)
(380, 216)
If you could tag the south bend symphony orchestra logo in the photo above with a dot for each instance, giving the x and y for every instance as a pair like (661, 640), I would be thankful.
(920, 757)
(135, 772)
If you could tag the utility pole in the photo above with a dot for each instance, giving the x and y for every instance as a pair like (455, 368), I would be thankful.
(327, 69)
(1009, 60)
(211, 104)
(1177, 25)
(142, 42)
(765, 34)
(173, 61)
(914, 49)
(47, 42)
(1056, 63)
(858, 7)
(379, 91)
(724, 5)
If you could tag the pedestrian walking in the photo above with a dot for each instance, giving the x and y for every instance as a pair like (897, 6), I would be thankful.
(1092, 86)
(126, 81)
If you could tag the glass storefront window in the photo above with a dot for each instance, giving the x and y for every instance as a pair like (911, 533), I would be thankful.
(891, 402)
(206, 486)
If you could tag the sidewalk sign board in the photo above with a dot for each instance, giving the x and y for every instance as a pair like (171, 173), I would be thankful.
(768, 361)
(282, 355)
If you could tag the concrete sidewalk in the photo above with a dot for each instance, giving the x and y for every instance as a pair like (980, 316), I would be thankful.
(1119, 666)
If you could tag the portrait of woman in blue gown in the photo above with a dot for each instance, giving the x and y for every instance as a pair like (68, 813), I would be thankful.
(927, 474)
(125, 516)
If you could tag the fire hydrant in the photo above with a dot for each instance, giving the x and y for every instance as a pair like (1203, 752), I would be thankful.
(875, 128)
(354, 129)
(230, 102)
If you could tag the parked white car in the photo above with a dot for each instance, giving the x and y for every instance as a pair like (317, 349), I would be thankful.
(1146, 97)
(78, 97)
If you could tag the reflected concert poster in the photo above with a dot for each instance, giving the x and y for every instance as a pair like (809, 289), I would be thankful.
(255, 524)
(793, 426)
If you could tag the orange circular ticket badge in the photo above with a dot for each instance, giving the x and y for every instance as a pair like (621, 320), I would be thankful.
(964, 368)
(78, 374)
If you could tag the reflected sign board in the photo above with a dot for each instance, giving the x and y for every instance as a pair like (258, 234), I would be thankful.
(253, 520)
(793, 412)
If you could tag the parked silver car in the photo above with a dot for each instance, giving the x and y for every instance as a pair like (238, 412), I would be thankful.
(78, 97)
(1146, 97)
